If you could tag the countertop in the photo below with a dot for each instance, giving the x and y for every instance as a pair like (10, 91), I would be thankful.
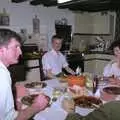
(98, 52)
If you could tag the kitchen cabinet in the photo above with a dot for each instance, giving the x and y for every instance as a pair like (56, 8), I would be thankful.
(95, 63)
(94, 23)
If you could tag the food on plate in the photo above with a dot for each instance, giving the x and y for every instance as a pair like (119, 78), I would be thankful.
(89, 83)
(76, 91)
(76, 80)
(60, 74)
(112, 90)
(35, 85)
(28, 100)
(87, 102)
(62, 77)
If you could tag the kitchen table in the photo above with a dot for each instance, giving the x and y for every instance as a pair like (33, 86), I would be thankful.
(55, 111)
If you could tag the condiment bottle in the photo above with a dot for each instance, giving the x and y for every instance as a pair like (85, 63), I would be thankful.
(78, 71)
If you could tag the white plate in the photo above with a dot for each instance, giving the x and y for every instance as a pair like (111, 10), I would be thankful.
(51, 114)
(83, 111)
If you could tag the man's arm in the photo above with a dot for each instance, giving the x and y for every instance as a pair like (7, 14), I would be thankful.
(69, 70)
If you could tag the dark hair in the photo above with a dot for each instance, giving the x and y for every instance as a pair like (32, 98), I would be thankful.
(115, 44)
(6, 35)
(56, 37)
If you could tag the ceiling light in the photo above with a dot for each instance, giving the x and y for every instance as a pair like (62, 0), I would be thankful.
(63, 1)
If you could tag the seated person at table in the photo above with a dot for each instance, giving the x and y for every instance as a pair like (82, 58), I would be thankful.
(108, 111)
(112, 69)
(9, 54)
(53, 61)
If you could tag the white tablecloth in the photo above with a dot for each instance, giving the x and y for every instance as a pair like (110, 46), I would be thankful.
(55, 112)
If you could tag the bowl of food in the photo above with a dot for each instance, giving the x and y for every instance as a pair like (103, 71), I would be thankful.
(110, 93)
(88, 102)
(76, 80)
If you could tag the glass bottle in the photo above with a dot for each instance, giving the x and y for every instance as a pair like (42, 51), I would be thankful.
(95, 84)
(68, 103)
(5, 17)
(36, 24)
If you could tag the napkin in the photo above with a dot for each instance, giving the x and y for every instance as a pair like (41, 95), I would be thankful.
(21, 90)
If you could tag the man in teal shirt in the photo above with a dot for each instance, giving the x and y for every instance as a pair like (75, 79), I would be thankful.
(108, 111)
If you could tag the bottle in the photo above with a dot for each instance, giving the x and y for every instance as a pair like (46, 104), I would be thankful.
(68, 104)
(5, 17)
(78, 71)
(36, 24)
(95, 84)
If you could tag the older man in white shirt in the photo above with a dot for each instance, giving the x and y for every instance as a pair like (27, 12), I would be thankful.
(53, 61)
(9, 54)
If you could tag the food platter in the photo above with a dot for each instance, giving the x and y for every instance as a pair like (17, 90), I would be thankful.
(35, 85)
(88, 102)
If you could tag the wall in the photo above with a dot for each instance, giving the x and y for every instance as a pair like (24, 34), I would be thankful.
(21, 15)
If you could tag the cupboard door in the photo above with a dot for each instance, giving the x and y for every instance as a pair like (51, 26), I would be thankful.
(93, 23)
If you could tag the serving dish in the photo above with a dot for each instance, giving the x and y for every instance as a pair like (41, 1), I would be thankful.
(112, 90)
(110, 93)
(88, 102)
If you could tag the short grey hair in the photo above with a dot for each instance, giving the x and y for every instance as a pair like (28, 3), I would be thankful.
(6, 35)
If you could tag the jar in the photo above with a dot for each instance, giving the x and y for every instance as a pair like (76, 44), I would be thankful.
(68, 104)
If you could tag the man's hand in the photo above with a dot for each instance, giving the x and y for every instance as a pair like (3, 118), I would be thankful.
(40, 102)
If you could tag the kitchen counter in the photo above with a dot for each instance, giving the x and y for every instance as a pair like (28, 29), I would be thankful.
(96, 61)
(99, 52)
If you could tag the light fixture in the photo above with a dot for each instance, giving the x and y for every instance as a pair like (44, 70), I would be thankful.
(63, 1)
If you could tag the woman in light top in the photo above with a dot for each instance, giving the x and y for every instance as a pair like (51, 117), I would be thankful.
(112, 69)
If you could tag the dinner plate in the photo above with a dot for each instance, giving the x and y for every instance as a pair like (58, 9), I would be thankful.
(51, 114)
(28, 100)
(112, 90)
(35, 85)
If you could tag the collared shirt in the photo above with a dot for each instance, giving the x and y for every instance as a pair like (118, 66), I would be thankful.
(112, 69)
(108, 111)
(54, 61)
(7, 111)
